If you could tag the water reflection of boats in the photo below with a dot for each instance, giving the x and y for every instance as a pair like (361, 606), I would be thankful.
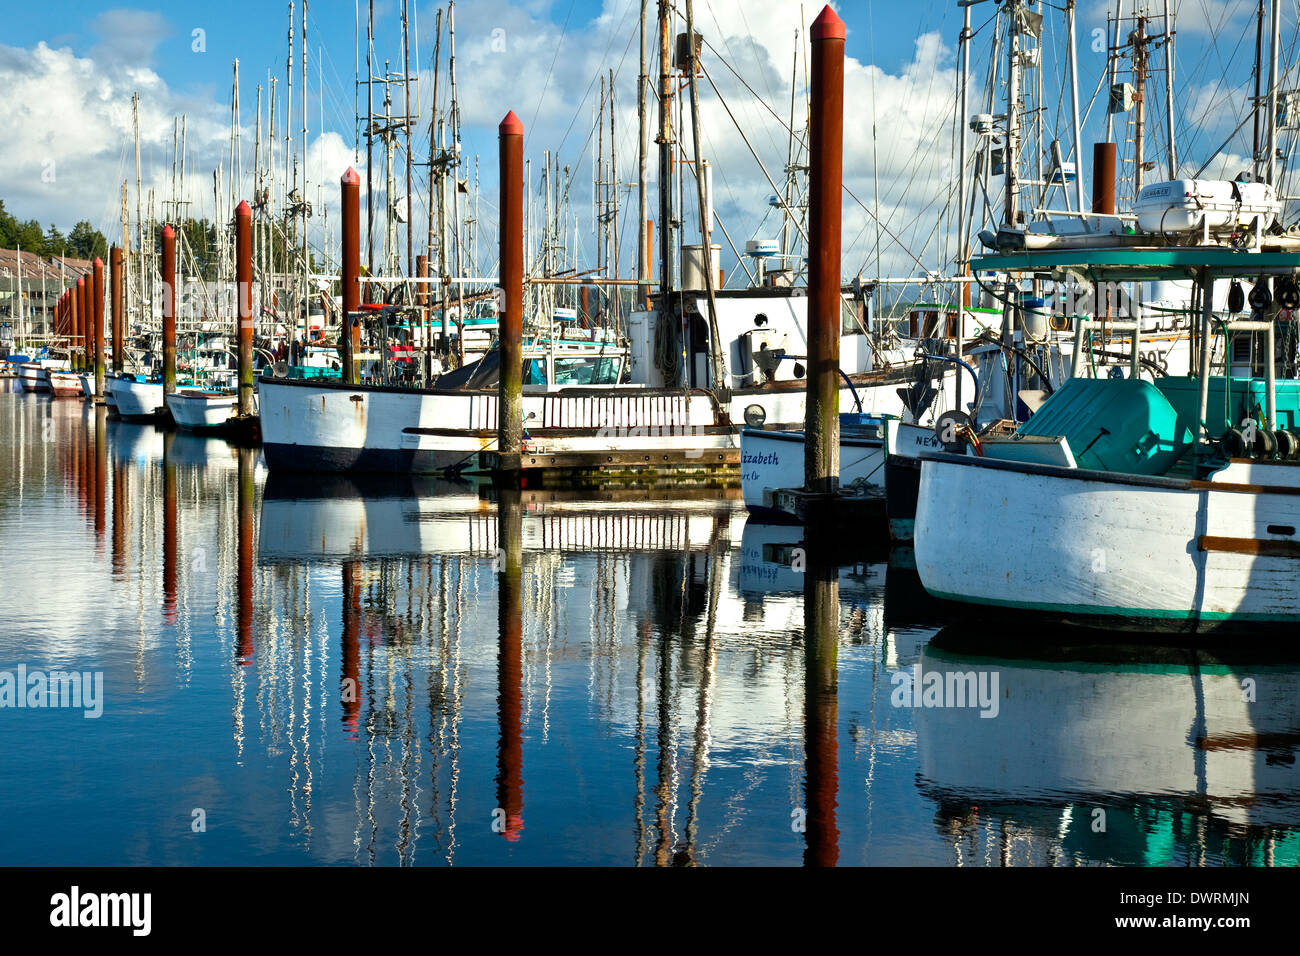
(1121, 754)
(133, 442)
(329, 518)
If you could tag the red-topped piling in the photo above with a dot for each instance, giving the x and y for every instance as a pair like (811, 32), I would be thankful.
(350, 216)
(79, 332)
(98, 312)
(169, 309)
(510, 421)
(116, 274)
(826, 168)
(244, 293)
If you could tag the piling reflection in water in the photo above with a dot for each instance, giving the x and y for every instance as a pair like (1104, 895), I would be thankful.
(510, 760)
(429, 671)
(821, 603)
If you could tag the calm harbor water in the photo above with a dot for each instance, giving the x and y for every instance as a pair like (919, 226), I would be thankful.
(319, 671)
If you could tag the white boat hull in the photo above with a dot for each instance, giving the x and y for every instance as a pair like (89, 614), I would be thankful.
(196, 410)
(1112, 550)
(334, 427)
(774, 460)
(63, 382)
(136, 400)
(31, 378)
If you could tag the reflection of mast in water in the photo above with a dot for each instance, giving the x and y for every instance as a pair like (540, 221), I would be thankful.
(244, 572)
(638, 762)
(170, 508)
(510, 753)
(708, 675)
(821, 711)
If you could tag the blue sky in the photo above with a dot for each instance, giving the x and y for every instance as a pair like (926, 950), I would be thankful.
(70, 74)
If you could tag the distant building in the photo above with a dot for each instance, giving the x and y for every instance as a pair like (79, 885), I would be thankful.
(43, 280)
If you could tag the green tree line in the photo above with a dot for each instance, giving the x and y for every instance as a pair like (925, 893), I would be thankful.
(83, 242)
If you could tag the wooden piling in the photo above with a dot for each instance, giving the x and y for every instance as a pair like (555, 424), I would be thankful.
(244, 291)
(98, 312)
(169, 309)
(116, 274)
(350, 225)
(510, 422)
(1103, 178)
(78, 323)
(826, 167)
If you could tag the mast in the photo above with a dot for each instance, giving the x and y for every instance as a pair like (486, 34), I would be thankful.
(455, 180)
(1275, 37)
(288, 127)
(963, 53)
(139, 219)
(370, 140)
(407, 120)
(302, 197)
(702, 188)
(434, 176)
(642, 136)
(18, 246)
(665, 142)
(789, 155)
(1111, 68)
(1169, 92)
(1011, 159)
(613, 212)
(1139, 42)
(1074, 109)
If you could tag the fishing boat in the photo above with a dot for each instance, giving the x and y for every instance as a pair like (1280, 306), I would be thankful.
(138, 398)
(1172, 505)
(63, 382)
(209, 399)
(663, 413)
(31, 378)
(196, 409)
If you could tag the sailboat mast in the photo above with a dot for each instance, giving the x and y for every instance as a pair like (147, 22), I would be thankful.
(1169, 92)
(1139, 41)
(1011, 159)
(455, 180)
(642, 149)
(1274, 42)
(407, 121)
(139, 219)
(1074, 109)
(665, 142)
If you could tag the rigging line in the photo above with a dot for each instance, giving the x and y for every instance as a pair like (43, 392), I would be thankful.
(799, 141)
(753, 49)
(591, 85)
(583, 103)
(550, 72)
